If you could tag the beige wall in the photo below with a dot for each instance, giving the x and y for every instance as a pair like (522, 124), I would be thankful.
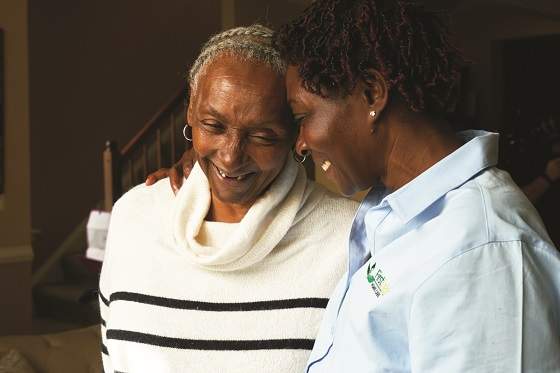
(99, 70)
(15, 218)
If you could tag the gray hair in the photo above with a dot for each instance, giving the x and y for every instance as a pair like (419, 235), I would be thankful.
(252, 43)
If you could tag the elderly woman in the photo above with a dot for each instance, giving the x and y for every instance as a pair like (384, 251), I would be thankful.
(451, 269)
(233, 274)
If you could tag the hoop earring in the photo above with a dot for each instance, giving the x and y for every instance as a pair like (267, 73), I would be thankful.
(300, 158)
(185, 134)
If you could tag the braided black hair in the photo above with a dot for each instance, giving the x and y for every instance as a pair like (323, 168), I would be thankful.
(336, 42)
(252, 42)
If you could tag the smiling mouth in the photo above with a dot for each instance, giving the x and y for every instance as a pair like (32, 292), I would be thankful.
(229, 177)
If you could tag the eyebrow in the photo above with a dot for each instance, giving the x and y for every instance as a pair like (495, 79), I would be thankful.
(212, 111)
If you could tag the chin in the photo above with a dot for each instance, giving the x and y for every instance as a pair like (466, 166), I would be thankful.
(346, 188)
(343, 184)
(348, 191)
(231, 197)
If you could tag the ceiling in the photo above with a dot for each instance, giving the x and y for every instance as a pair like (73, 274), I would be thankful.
(549, 7)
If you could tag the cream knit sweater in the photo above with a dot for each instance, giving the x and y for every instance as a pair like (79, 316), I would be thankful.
(178, 294)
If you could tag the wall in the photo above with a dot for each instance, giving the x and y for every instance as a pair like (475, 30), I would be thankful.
(272, 13)
(478, 27)
(99, 70)
(480, 40)
(15, 215)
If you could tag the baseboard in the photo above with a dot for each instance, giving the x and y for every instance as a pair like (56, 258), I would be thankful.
(16, 254)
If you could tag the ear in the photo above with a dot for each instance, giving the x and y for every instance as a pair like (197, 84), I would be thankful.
(375, 93)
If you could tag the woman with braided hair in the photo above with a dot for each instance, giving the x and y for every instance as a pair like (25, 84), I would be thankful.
(450, 268)
(234, 272)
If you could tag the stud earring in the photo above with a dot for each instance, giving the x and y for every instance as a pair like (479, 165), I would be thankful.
(325, 165)
(372, 114)
(185, 133)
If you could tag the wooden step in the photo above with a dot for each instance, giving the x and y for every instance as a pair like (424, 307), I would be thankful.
(67, 302)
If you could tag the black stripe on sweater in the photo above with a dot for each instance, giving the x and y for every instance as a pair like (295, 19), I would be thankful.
(103, 299)
(104, 349)
(215, 345)
(219, 307)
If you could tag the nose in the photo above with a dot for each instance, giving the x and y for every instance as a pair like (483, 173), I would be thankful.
(301, 145)
(232, 152)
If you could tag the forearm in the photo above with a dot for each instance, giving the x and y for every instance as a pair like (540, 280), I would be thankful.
(536, 189)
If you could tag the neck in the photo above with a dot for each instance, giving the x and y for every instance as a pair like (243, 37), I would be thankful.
(226, 212)
(418, 142)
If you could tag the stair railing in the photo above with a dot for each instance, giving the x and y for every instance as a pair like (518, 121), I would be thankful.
(158, 144)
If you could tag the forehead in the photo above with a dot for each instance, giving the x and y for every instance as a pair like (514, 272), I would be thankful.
(241, 82)
(293, 81)
(297, 94)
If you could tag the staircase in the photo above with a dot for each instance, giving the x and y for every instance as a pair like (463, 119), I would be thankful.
(159, 143)
(64, 288)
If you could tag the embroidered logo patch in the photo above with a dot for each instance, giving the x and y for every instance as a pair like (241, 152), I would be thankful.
(377, 280)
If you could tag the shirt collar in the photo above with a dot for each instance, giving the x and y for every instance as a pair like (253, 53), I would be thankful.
(479, 152)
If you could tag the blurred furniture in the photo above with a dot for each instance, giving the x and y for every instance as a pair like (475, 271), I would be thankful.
(74, 351)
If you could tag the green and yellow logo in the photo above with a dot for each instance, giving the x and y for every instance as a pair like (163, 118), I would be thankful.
(377, 280)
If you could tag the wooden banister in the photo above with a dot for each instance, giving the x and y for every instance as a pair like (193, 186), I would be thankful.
(111, 175)
(177, 99)
(145, 152)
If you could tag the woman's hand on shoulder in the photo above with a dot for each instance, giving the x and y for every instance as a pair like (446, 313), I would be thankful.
(176, 173)
(552, 169)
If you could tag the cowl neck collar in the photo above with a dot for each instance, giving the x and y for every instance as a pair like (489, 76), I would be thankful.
(254, 237)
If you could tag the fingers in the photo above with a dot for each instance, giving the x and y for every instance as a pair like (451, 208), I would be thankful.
(553, 169)
(187, 162)
(176, 173)
(162, 173)
(182, 169)
(175, 178)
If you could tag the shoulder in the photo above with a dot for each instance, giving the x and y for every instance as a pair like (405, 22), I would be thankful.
(486, 216)
(488, 221)
(331, 201)
(142, 197)
(510, 215)
(136, 218)
(490, 207)
(324, 204)
(142, 205)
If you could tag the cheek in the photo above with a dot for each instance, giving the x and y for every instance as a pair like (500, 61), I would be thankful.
(202, 144)
(269, 160)
(316, 135)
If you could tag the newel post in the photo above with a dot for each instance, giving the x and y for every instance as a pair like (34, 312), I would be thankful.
(111, 175)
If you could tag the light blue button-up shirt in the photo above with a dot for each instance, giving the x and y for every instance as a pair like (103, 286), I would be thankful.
(453, 272)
